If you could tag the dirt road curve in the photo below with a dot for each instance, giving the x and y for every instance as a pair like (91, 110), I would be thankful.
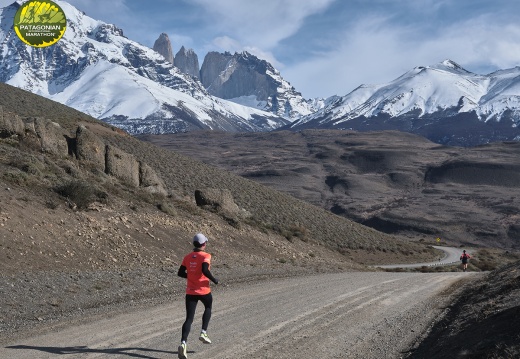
(347, 315)
(451, 256)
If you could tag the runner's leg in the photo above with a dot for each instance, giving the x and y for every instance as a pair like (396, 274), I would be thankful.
(191, 305)
(207, 300)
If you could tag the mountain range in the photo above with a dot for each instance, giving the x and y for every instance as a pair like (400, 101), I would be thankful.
(95, 69)
(444, 102)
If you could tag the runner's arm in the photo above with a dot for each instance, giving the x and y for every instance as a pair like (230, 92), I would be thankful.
(182, 272)
(207, 273)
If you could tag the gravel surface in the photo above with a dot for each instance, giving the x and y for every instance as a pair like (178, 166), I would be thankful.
(451, 256)
(342, 315)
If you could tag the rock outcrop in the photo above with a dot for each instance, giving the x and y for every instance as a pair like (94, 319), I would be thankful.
(187, 62)
(122, 165)
(164, 47)
(49, 137)
(90, 148)
(10, 124)
(220, 201)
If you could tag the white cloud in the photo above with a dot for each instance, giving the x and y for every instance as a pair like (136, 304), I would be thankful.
(260, 23)
(98, 9)
(481, 43)
(375, 51)
(225, 43)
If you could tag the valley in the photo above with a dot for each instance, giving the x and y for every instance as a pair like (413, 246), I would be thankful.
(391, 181)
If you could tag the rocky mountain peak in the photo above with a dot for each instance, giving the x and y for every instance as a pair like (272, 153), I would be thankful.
(187, 61)
(164, 47)
(244, 78)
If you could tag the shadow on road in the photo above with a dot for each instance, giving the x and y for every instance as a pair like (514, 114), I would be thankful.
(84, 349)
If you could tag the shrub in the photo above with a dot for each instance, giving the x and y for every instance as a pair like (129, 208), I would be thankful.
(167, 208)
(485, 265)
(16, 177)
(81, 193)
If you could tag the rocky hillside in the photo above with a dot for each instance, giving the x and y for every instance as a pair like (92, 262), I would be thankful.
(91, 217)
(73, 155)
(91, 213)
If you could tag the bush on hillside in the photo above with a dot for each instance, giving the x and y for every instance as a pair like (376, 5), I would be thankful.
(81, 193)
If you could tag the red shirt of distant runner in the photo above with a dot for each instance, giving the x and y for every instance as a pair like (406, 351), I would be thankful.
(197, 283)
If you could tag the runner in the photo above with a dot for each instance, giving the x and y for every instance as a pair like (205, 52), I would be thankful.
(195, 268)
(464, 258)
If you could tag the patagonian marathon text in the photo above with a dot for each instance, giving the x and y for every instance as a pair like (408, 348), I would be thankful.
(40, 27)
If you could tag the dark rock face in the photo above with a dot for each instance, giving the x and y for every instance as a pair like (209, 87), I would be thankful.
(243, 75)
(187, 61)
(214, 63)
(164, 47)
(228, 76)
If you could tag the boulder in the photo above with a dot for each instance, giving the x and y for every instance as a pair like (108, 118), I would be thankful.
(90, 147)
(150, 181)
(219, 200)
(122, 165)
(51, 136)
(10, 124)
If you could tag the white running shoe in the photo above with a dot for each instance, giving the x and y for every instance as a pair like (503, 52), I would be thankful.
(204, 338)
(182, 351)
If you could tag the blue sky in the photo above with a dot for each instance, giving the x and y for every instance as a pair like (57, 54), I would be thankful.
(329, 47)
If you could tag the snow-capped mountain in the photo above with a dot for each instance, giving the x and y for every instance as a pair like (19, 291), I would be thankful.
(95, 69)
(245, 79)
(441, 102)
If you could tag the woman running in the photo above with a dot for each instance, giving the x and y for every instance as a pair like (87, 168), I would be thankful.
(195, 268)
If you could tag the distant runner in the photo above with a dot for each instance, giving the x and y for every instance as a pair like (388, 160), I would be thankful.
(195, 268)
(464, 258)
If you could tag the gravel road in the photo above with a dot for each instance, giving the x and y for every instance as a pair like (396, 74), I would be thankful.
(346, 315)
(451, 256)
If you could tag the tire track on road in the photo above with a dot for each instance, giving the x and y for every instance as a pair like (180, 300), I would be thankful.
(354, 315)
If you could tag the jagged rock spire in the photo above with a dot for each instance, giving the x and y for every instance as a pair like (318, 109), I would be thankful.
(164, 47)
(187, 61)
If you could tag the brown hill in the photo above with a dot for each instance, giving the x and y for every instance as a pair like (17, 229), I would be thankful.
(394, 182)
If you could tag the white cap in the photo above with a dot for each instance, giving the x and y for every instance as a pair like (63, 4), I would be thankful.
(200, 238)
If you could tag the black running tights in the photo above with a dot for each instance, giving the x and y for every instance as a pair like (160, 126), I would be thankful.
(191, 305)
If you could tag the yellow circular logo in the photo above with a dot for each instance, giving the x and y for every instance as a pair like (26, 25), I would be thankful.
(40, 23)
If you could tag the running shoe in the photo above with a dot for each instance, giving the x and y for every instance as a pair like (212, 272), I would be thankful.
(182, 351)
(204, 338)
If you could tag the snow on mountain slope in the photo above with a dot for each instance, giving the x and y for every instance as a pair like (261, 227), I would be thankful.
(98, 71)
(503, 95)
(444, 103)
(443, 88)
